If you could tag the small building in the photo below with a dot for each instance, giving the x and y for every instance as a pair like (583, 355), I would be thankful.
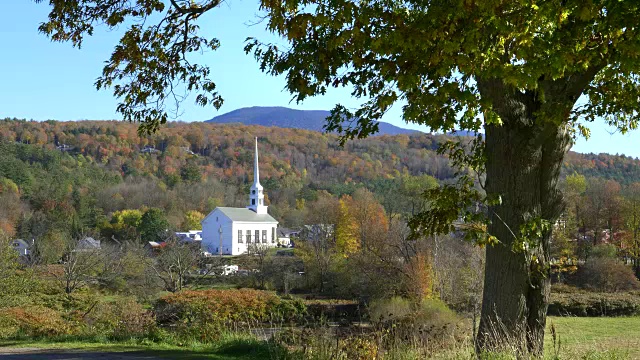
(316, 232)
(285, 235)
(153, 247)
(65, 148)
(148, 149)
(23, 247)
(88, 244)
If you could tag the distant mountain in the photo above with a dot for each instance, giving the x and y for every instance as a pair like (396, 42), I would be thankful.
(290, 118)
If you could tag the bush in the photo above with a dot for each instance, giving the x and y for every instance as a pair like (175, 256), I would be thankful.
(124, 318)
(430, 323)
(334, 309)
(226, 308)
(393, 309)
(594, 304)
(359, 348)
(564, 289)
(605, 274)
(34, 321)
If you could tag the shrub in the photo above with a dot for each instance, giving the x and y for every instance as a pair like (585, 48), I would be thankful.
(430, 323)
(359, 348)
(395, 308)
(594, 304)
(334, 309)
(605, 274)
(220, 308)
(124, 318)
(564, 289)
(34, 321)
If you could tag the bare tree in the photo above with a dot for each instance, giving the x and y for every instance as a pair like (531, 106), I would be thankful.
(81, 265)
(175, 261)
(259, 253)
(316, 243)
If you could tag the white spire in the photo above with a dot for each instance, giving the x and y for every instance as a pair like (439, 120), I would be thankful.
(256, 169)
(256, 194)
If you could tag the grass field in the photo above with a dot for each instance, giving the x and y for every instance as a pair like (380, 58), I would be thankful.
(618, 337)
(578, 338)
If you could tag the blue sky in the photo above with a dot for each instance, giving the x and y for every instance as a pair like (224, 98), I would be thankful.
(42, 80)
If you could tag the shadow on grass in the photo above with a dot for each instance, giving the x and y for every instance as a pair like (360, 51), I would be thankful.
(235, 349)
(243, 348)
(76, 354)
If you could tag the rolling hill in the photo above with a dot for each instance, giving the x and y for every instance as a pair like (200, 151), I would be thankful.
(290, 118)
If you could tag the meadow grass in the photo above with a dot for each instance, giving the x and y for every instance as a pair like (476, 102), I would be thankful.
(615, 336)
(578, 338)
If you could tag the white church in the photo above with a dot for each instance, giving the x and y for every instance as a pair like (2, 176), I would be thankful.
(233, 231)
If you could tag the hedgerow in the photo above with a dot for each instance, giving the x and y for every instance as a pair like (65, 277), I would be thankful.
(230, 308)
(583, 303)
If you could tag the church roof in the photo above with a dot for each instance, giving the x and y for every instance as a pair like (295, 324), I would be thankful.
(244, 214)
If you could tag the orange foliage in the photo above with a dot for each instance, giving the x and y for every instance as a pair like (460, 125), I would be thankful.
(224, 307)
(33, 321)
(423, 276)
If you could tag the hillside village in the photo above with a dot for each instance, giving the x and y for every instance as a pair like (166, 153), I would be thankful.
(199, 212)
(83, 141)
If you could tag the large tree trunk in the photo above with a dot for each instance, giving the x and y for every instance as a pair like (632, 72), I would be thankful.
(524, 156)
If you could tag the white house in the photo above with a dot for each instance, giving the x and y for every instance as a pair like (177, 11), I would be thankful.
(232, 231)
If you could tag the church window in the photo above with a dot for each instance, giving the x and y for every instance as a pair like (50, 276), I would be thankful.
(260, 201)
(264, 236)
(248, 236)
(240, 236)
(253, 192)
(253, 201)
(257, 236)
(273, 235)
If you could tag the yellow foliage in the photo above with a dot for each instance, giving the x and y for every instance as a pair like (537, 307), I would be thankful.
(192, 220)
(347, 241)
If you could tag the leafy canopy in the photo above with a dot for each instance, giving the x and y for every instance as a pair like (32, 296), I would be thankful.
(436, 55)
(151, 65)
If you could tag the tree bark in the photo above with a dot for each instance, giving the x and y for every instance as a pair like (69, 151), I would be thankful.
(524, 156)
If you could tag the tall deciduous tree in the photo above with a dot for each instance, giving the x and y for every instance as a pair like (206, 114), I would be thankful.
(632, 223)
(517, 68)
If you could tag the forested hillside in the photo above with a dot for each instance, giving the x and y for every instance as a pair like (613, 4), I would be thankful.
(58, 177)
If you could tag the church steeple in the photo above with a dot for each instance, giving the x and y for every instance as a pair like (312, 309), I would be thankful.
(256, 193)
(256, 168)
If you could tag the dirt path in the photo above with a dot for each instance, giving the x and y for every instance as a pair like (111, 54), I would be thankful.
(66, 354)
